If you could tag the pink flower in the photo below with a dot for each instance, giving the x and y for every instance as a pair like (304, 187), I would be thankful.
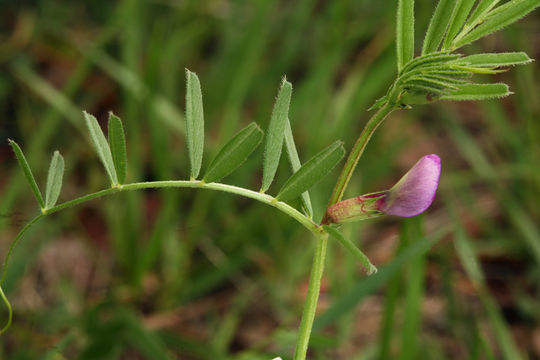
(410, 196)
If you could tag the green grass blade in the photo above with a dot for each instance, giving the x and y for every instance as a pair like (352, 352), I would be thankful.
(393, 292)
(117, 142)
(405, 32)
(312, 171)
(353, 249)
(102, 146)
(275, 134)
(515, 212)
(438, 26)
(478, 92)
(294, 160)
(499, 18)
(458, 18)
(411, 233)
(48, 93)
(55, 353)
(54, 180)
(23, 163)
(234, 153)
(497, 59)
(370, 284)
(194, 122)
(167, 112)
(148, 343)
(473, 269)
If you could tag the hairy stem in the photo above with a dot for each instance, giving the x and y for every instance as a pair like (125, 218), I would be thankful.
(14, 243)
(314, 286)
(196, 184)
(10, 311)
(310, 306)
(358, 150)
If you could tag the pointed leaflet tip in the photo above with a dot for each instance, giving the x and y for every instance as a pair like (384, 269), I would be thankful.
(102, 146)
(353, 249)
(23, 163)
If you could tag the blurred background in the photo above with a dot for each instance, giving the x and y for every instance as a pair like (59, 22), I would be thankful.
(188, 274)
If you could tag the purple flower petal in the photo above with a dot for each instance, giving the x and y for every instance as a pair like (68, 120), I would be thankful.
(415, 191)
(410, 196)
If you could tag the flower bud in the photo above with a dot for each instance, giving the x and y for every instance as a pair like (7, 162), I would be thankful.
(358, 208)
(410, 196)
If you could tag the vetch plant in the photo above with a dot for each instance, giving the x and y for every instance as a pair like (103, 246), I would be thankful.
(410, 196)
(437, 73)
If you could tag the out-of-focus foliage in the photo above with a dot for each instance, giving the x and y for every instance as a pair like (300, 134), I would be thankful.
(198, 275)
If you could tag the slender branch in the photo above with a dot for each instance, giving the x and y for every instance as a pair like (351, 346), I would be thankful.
(310, 306)
(317, 270)
(358, 150)
(197, 184)
(10, 311)
(4, 270)
(14, 243)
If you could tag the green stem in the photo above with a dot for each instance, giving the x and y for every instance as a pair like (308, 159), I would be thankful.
(10, 311)
(357, 151)
(310, 306)
(314, 286)
(4, 270)
(14, 243)
(197, 184)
